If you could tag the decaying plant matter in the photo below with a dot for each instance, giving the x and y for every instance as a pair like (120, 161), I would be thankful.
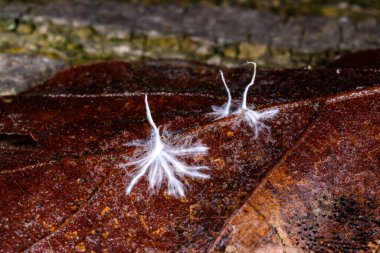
(311, 184)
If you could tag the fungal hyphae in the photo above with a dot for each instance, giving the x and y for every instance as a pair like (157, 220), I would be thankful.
(223, 111)
(252, 117)
(162, 162)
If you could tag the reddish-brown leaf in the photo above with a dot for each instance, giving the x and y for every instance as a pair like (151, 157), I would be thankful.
(313, 178)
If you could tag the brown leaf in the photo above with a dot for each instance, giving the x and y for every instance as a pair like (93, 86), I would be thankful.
(63, 190)
(324, 194)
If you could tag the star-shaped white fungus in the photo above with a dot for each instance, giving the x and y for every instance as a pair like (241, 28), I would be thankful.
(253, 118)
(163, 162)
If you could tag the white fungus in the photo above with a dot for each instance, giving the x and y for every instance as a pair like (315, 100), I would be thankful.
(162, 162)
(223, 111)
(253, 118)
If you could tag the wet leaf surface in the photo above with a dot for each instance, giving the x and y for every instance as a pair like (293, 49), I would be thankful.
(312, 178)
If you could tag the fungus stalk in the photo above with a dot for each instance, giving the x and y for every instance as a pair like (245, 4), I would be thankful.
(254, 118)
(162, 162)
(223, 111)
(245, 94)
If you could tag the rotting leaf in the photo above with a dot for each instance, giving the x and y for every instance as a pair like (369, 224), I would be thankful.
(316, 170)
(324, 194)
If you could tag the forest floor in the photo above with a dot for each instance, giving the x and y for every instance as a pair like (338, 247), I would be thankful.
(294, 34)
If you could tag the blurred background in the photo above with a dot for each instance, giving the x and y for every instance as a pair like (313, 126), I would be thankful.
(38, 38)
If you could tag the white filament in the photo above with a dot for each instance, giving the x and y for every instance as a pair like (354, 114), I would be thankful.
(244, 103)
(162, 163)
(223, 111)
(226, 111)
(253, 118)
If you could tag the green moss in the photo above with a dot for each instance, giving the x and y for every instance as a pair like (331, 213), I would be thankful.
(83, 44)
(250, 51)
